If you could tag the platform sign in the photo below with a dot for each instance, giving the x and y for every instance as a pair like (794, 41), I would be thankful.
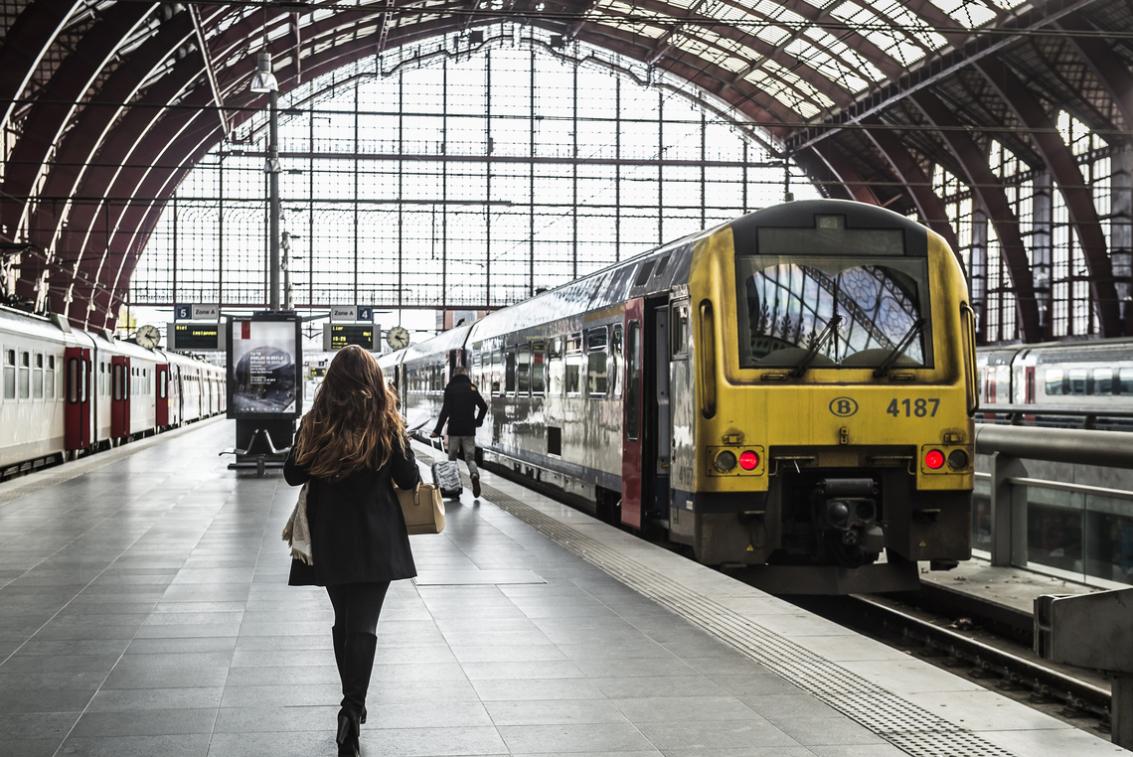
(194, 336)
(265, 361)
(186, 312)
(338, 335)
(352, 313)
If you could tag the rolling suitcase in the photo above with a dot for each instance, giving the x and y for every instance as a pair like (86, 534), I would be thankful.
(446, 476)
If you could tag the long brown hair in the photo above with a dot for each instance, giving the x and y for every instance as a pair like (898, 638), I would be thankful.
(354, 422)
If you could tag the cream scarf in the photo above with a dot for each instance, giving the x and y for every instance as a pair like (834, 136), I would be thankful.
(297, 532)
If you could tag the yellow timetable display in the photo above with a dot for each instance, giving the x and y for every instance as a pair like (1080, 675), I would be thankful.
(338, 335)
(195, 335)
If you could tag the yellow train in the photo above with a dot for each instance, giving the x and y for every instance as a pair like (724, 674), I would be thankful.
(791, 391)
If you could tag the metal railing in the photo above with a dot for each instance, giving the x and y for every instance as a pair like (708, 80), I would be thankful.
(1084, 530)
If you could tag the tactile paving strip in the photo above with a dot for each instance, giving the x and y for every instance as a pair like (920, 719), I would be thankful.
(907, 726)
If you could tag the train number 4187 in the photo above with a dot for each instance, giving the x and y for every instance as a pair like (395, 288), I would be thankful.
(919, 408)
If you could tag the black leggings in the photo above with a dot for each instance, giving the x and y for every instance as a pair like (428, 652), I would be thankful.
(357, 606)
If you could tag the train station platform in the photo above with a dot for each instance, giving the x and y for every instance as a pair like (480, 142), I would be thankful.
(144, 611)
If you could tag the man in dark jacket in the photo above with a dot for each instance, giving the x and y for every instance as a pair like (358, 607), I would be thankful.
(460, 411)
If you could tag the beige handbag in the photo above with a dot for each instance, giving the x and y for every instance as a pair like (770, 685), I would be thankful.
(423, 509)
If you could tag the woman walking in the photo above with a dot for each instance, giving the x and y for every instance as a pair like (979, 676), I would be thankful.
(350, 450)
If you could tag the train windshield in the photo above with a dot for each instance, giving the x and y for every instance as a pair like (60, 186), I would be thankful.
(877, 304)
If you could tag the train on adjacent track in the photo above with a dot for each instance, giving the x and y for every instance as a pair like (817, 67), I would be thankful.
(791, 392)
(66, 392)
(1058, 383)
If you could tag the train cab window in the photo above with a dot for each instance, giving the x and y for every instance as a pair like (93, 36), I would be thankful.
(9, 374)
(37, 377)
(1103, 381)
(523, 372)
(679, 330)
(25, 375)
(1054, 381)
(1079, 381)
(509, 372)
(1125, 380)
(49, 377)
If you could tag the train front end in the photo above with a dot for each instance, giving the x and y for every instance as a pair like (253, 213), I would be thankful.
(832, 433)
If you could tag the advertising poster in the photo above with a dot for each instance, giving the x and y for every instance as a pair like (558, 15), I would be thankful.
(263, 368)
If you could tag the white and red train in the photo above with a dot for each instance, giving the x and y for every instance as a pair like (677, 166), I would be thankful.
(66, 392)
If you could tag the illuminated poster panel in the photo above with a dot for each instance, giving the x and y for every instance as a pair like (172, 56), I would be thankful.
(264, 361)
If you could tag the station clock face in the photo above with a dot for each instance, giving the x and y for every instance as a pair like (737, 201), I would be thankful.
(398, 337)
(147, 337)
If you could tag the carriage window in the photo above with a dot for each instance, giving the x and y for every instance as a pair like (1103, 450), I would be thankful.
(572, 377)
(523, 372)
(1103, 381)
(596, 362)
(1078, 381)
(1053, 381)
(509, 372)
(538, 373)
(1125, 380)
(494, 367)
(633, 377)
(9, 374)
(615, 361)
(574, 343)
(37, 378)
(73, 380)
(49, 380)
(25, 375)
(643, 273)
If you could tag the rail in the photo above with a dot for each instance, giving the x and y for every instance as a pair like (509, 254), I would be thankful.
(1089, 417)
(1078, 530)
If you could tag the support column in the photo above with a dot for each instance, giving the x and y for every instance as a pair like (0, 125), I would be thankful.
(977, 263)
(1042, 249)
(1121, 231)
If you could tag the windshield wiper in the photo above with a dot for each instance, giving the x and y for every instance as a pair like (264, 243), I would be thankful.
(883, 367)
(803, 364)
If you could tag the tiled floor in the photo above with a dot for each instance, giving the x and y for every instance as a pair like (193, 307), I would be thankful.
(144, 611)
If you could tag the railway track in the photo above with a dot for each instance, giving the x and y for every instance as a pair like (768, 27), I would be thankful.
(963, 646)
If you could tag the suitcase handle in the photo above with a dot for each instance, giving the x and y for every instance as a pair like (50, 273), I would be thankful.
(438, 442)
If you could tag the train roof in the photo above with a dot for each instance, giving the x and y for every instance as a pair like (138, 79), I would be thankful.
(30, 325)
(646, 274)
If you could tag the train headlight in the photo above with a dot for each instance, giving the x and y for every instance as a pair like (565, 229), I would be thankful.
(934, 459)
(958, 459)
(725, 461)
(749, 459)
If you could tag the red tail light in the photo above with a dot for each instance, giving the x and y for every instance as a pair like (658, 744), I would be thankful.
(749, 460)
(934, 459)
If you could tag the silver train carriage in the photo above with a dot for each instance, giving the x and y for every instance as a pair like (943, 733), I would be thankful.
(1058, 383)
(66, 392)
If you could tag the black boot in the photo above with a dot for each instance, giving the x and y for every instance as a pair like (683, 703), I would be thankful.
(358, 664)
(339, 636)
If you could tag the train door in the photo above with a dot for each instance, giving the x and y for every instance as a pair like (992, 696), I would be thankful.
(634, 491)
(120, 387)
(161, 393)
(682, 409)
(77, 386)
(661, 433)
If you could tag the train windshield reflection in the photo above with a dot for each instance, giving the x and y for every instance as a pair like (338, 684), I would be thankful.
(787, 302)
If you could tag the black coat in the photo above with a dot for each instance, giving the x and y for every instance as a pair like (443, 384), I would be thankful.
(358, 533)
(462, 400)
